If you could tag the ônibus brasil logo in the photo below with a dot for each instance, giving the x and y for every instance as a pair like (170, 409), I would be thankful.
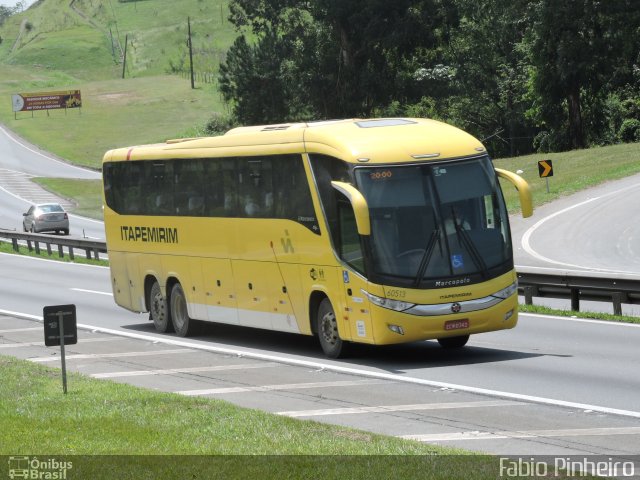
(38, 469)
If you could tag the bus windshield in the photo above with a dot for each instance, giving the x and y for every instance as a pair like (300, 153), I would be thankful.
(433, 223)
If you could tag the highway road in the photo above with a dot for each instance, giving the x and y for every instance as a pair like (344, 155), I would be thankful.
(551, 386)
(19, 162)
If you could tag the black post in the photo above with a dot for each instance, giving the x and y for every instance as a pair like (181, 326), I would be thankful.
(190, 52)
(575, 300)
(528, 295)
(617, 303)
(124, 61)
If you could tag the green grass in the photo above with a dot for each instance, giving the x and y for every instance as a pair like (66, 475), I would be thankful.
(7, 247)
(571, 313)
(572, 171)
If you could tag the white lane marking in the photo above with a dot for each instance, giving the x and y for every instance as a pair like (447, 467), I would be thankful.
(527, 235)
(270, 388)
(30, 329)
(576, 432)
(92, 291)
(107, 355)
(348, 370)
(400, 408)
(581, 320)
(171, 371)
(41, 344)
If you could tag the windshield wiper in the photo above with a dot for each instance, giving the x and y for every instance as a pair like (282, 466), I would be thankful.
(463, 238)
(428, 253)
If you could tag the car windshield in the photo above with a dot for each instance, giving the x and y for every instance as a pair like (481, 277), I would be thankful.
(51, 208)
(434, 222)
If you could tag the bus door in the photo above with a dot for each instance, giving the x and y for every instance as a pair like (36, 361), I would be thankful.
(357, 308)
(219, 291)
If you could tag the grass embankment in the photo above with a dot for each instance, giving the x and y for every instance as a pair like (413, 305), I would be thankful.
(107, 418)
(572, 171)
(7, 247)
(570, 313)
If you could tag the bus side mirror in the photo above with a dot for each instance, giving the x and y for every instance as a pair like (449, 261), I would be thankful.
(524, 191)
(359, 204)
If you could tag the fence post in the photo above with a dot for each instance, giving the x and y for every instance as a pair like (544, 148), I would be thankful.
(528, 295)
(575, 299)
(617, 303)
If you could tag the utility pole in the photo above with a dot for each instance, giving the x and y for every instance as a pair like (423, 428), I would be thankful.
(190, 52)
(124, 61)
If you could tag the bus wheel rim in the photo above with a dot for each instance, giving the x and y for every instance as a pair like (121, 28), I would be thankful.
(329, 328)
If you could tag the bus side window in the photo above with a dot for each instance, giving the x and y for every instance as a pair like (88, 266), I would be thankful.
(188, 186)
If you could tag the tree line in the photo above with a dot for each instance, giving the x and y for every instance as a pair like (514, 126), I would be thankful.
(522, 75)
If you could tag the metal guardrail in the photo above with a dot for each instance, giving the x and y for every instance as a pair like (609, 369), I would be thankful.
(617, 288)
(92, 248)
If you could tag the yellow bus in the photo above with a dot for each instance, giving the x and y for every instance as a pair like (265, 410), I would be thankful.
(377, 231)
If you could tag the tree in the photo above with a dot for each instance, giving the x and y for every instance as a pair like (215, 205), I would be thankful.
(340, 59)
(573, 47)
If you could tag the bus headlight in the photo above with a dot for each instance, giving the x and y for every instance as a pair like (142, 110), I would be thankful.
(396, 305)
(506, 292)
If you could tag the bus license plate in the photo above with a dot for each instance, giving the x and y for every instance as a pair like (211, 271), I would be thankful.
(456, 324)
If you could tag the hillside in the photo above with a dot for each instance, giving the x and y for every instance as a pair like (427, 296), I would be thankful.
(79, 44)
(85, 38)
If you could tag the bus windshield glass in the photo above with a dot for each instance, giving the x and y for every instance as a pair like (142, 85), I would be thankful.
(433, 222)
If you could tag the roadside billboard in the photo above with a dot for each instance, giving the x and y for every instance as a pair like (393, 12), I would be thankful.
(29, 102)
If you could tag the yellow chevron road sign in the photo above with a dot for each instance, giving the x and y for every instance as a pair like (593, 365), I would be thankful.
(545, 168)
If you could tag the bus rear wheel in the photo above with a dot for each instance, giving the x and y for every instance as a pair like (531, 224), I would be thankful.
(327, 328)
(454, 342)
(158, 310)
(182, 324)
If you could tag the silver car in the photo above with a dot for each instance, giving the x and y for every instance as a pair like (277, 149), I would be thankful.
(46, 217)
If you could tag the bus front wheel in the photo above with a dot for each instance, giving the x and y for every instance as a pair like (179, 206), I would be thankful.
(454, 342)
(158, 309)
(327, 327)
(182, 324)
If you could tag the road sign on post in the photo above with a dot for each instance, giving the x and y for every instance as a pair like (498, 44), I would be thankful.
(545, 169)
(59, 329)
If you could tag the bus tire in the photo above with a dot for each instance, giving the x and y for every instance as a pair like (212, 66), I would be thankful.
(158, 309)
(182, 324)
(327, 328)
(454, 342)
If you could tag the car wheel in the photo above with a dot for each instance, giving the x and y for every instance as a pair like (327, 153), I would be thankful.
(182, 324)
(327, 327)
(65, 231)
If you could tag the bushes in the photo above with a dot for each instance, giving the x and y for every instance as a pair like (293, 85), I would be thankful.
(630, 130)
